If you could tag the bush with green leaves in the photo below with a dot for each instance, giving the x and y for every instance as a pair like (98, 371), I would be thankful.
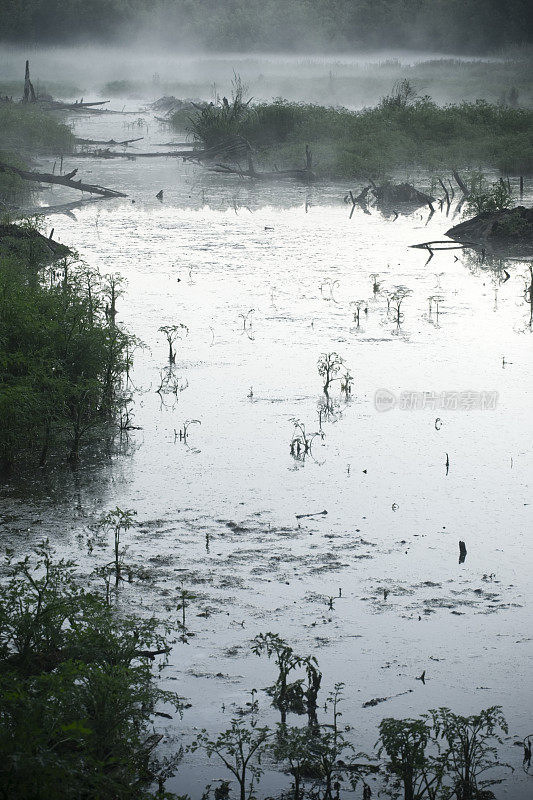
(62, 358)
(401, 132)
(443, 755)
(488, 199)
(77, 690)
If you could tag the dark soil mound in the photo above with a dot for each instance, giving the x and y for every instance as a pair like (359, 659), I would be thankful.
(389, 193)
(509, 225)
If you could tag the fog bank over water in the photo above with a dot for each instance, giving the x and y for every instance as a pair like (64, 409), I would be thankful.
(353, 79)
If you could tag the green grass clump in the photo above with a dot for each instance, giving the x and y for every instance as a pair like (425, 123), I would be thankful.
(13, 190)
(29, 129)
(399, 133)
(26, 131)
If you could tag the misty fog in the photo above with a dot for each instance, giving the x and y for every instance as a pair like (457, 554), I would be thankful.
(356, 79)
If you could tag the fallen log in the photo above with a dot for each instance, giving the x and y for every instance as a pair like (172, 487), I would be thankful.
(110, 142)
(174, 144)
(304, 174)
(188, 154)
(301, 174)
(76, 106)
(104, 154)
(61, 180)
(447, 245)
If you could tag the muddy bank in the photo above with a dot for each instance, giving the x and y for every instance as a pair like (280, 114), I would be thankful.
(512, 225)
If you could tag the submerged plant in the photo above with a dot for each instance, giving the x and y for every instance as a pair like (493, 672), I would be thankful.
(331, 367)
(286, 660)
(395, 299)
(357, 306)
(240, 748)
(302, 441)
(184, 430)
(435, 299)
(172, 334)
(170, 383)
(117, 522)
(299, 696)
(185, 598)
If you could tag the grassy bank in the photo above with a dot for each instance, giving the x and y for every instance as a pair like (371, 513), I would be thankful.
(62, 357)
(399, 133)
(27, 131)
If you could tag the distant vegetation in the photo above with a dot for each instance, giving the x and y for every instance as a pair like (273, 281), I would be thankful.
(403, 131)
(236, 25)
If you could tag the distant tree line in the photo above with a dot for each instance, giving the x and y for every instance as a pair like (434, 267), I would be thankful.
(243, 25)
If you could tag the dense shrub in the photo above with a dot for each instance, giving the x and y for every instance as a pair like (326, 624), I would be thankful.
(373, 141)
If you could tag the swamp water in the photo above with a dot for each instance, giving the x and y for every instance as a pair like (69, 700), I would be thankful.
(217, 514)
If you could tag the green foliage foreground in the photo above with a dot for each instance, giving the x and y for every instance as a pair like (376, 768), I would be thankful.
(62, 356)
(78, 697)
(77, 691)
(400, 133)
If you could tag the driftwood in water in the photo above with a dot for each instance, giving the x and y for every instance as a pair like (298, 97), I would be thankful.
(174, 144)
(187, 154)
(508, 225)
(230, 148)
(306, 174)
(104, 154)
(61, 180)
(461, 184)
(78, 105)
(435, 245)
(361, 200)
(110, 142)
